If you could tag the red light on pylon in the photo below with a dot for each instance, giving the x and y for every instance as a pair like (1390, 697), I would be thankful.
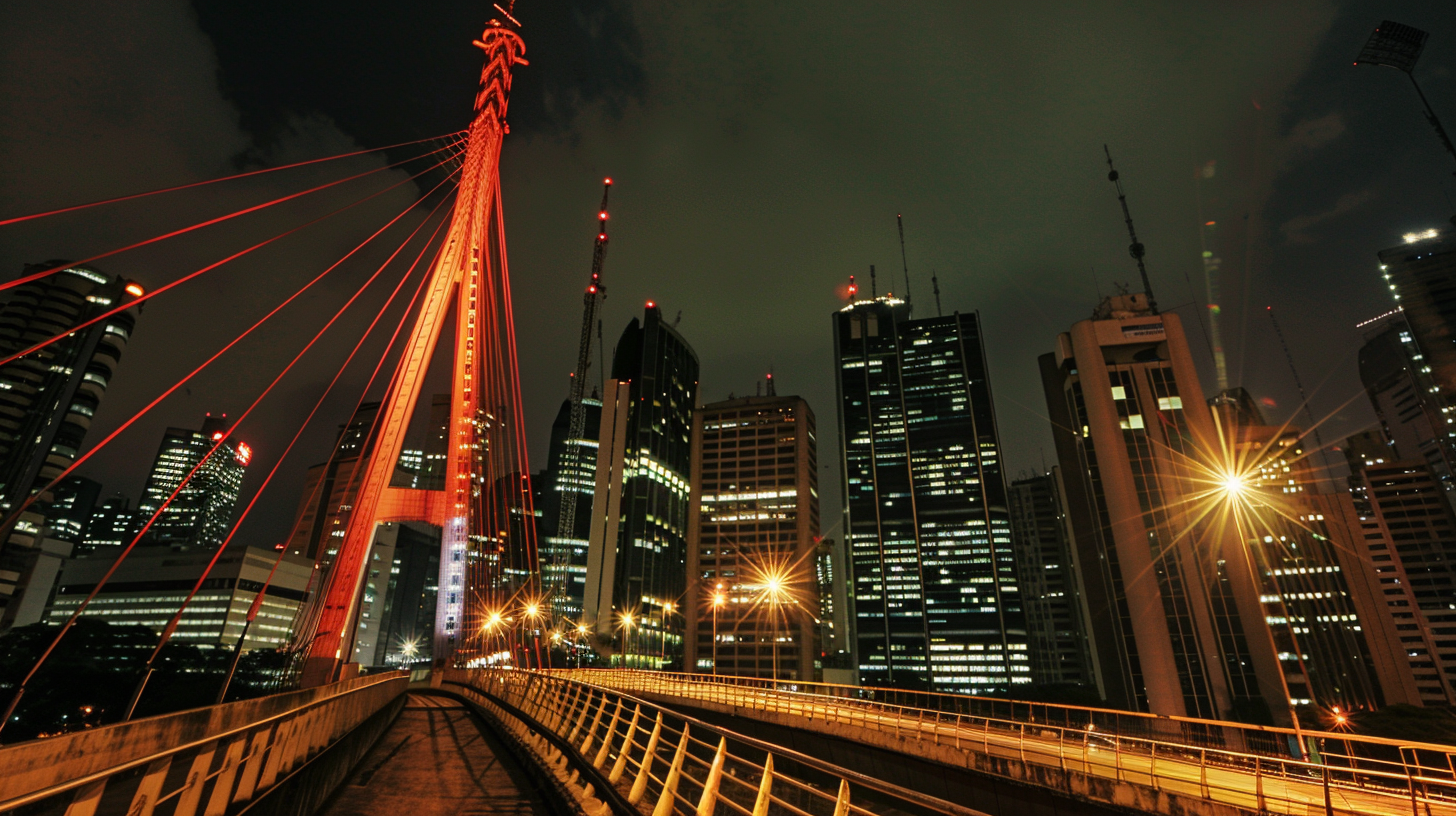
(607, 182)
(601, 236)
(591, 289)
(602, 215)
(651, 305)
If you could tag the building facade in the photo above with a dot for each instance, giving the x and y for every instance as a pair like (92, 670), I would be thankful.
(201, 513)
(637, 550)
(1051, 583)
(397, 611)
(47, 401)
(571, 466)
(933, 575)
(1420, 274)
(752, 606)
(151, 584)
(1408, 533)
(1212, 569)
(1413, 414)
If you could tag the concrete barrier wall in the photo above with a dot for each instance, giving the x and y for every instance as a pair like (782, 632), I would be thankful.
(40, 764)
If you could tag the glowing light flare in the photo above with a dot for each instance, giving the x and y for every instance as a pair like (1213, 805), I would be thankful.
(244, 454)
(135, 290)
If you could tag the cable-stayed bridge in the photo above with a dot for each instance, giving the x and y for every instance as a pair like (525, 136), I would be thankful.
(491, 727)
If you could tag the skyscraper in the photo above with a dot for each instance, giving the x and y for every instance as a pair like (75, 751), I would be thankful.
(202, 511)
(752, 599)
(571, 465)
(637, 555)
(47, 400)
(1409, 536)
(933, 577)
(1420, 274)
(1051, 583)
(1412, 412)
(113, 524)
(1192, 613)
(329, 490)
(397, 611)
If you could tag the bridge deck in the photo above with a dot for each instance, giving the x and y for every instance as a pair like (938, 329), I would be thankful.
(435, 759)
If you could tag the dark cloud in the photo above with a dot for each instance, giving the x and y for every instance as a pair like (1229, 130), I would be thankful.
(761, 152)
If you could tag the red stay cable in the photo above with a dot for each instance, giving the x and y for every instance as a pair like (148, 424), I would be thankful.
(189, 276)
(305, 621)
(9, 521)
(218, 220)
(177, 617)
(218, 443)
(21, 218)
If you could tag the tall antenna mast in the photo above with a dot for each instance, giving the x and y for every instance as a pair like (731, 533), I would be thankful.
(873, 293)
(596, 291)
(935, 285)
(1135, 249)
(900, 224)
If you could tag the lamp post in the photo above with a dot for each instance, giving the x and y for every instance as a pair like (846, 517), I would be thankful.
(627, 639)
(580, 642)
(1234, 487)
(1398, 46)
(717, 603)
(662, 625)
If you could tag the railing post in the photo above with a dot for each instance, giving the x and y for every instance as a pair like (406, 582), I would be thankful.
(145, 798)
(606, 748)
(621, 764)
(581, 718)
(1153, 765)
(1259, 783)
(1202, 771)
(86, 799)
(644, 769)
(191, 795)
(765, 788)
(669, 785)
(841, 802)
(592, 731)
(709, 798)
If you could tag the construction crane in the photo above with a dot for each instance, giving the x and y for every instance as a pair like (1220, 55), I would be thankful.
(591, 300)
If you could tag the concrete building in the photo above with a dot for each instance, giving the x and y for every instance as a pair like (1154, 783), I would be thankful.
(1193, 606)
(113, 524)
(1408, 533)
(397, 612)
(752, 603)
(571, 466)
(1414, 417)
(1051, 583)
(152, 582)
(637, 550)
(934, 591)
(200, 515)
(47, 400)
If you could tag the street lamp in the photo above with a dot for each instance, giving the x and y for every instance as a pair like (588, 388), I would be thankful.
(662, 626)
(1235, 487)
(627, 639)
(1398, 46)
(580, 642)
(718, 601)
(774, 589)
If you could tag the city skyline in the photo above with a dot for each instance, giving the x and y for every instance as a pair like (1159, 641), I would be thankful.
(1019, 262)
(928, 553)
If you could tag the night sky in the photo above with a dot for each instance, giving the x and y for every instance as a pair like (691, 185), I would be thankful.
(761, 152)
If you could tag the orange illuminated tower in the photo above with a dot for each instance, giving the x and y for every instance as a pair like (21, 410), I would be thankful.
(486, 476)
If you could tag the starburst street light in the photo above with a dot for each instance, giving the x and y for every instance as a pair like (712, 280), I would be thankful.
(626, 625)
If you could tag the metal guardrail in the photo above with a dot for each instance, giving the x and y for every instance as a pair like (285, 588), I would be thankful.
(667, 763)
(216, 771)
(1250, 767)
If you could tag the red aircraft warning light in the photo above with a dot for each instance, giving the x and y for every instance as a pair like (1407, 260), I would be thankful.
(651, 305)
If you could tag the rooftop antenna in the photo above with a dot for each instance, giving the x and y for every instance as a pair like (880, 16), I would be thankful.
(873, 294)
(853, 289)
(1135, 249)
(770, 386)
(935, 284)
(900, 224)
